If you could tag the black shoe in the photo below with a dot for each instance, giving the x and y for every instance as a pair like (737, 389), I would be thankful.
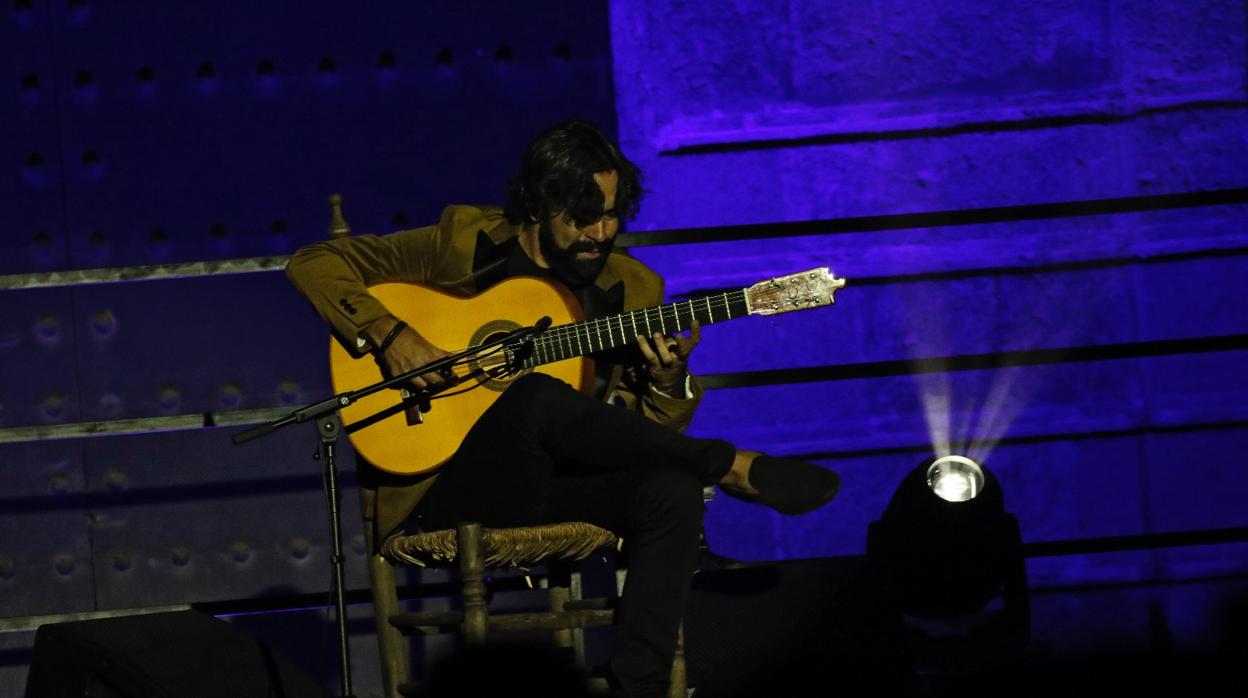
(790, 486)
(709, 561)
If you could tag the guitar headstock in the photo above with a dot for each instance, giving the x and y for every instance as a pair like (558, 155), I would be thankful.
(807, 289)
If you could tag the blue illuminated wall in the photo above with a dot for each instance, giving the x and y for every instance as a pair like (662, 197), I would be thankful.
(796, 110)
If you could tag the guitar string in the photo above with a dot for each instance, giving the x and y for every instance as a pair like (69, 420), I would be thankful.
(493, 358)
(549, 341)
(564, 334)
(670, 310)
(553, 343)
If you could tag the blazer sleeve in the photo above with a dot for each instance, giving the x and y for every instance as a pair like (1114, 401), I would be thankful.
(334, 275)
(637, 394)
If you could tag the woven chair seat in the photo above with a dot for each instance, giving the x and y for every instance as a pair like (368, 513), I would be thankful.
(503, 547)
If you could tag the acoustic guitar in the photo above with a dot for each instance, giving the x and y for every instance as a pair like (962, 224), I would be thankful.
(382, 426)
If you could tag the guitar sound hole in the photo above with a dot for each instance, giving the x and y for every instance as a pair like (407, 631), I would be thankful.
(492, 365)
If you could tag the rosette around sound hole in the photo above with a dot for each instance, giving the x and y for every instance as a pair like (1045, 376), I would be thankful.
(495, 367)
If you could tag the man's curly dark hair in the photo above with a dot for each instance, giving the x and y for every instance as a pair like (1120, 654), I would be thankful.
(557, 177)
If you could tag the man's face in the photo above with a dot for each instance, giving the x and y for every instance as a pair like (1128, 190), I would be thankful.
(577, 254)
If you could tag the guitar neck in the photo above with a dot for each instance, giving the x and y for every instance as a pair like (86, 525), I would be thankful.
(590, 336)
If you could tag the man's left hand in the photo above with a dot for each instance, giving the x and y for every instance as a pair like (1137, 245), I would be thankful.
(667, 358)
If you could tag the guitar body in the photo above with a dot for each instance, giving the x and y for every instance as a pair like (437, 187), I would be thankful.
(452, 323)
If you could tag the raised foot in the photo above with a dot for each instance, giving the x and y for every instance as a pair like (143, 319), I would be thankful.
(789, 486)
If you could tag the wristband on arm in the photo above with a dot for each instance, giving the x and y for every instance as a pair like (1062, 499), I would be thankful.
(380, 351)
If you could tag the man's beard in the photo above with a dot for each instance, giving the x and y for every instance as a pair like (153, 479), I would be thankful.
(563, 262)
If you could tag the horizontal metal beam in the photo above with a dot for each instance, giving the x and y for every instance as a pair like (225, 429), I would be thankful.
(1136, 258)
(311, 481)
(976, 362)
(265, 604)
(743, 379)
(20, 624)
(938, 219)
(1145, 541)
(928, 448)
(1237, 578)
(295, 602)
(141, 425)
(759, 231)
(153, 272)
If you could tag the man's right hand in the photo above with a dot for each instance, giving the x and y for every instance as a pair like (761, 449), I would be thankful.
(407, 351)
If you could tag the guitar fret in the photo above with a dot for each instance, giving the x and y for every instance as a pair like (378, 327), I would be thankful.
(601, 334)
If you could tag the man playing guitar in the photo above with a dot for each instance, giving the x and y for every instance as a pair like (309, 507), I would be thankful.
(542, 451)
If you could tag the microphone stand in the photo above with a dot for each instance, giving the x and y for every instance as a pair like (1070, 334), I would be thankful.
(326, 414)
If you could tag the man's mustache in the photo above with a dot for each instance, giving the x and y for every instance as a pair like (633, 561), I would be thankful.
(590, 246)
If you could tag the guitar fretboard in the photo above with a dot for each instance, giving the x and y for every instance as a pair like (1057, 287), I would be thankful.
(580, 338)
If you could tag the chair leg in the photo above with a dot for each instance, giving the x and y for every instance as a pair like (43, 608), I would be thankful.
(559, 593)
(680, 680)
(472, 571)
(390, 642)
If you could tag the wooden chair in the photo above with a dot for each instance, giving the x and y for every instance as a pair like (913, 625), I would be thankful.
(474, 550)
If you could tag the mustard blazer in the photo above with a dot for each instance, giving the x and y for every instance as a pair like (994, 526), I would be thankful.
(463, 254)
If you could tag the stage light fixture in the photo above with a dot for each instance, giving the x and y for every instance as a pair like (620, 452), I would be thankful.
(950, 559)
(955, 478)
(945, 542)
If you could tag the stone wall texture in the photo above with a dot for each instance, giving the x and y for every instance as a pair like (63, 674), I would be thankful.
(797, 110)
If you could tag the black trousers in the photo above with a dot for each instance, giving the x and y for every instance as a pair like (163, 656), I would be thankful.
(545, 453)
